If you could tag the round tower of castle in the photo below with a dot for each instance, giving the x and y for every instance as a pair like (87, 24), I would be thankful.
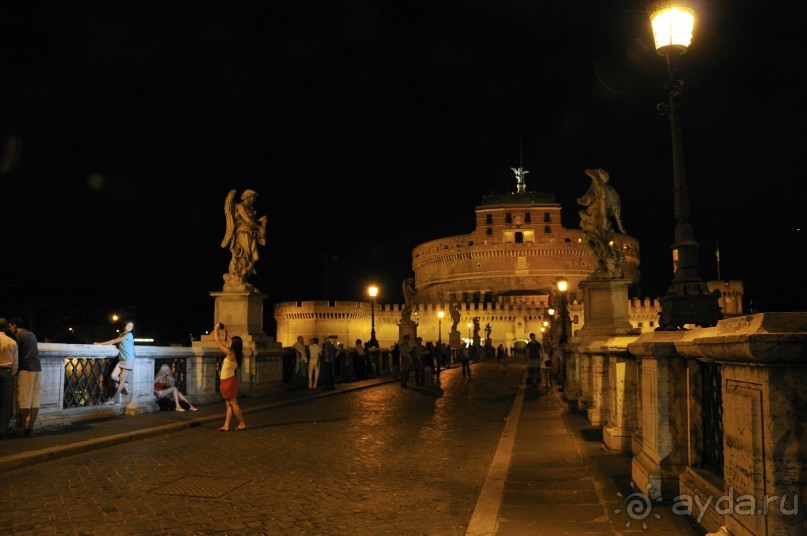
(518, 249)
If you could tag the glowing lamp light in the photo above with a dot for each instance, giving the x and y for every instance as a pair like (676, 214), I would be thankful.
(673, 24)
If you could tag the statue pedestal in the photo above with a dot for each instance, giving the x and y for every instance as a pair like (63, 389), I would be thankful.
(605, 303)
(240, 308)
(408, 327)
(455, 340)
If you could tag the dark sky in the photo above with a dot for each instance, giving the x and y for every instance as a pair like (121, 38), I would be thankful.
(368, 128)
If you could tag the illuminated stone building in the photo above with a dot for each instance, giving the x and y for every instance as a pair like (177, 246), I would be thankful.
(504, 272)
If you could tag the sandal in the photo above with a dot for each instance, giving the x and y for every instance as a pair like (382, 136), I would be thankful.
(240, 428)
(223, 429)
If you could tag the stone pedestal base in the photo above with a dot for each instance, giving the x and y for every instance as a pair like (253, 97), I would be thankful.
(605, 303)
(616, 438)
(646, 475)
(596, 415)
(240, 309)
(455, 340)
(408, 327)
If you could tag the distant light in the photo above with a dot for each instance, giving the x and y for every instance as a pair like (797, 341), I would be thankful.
(440, 314)
(373, 291)
(144, 339)
(563, 284)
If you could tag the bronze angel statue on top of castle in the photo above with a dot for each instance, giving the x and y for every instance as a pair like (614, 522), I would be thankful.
(245, 232)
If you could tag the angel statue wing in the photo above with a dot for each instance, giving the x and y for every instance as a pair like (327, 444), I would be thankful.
(229, 216)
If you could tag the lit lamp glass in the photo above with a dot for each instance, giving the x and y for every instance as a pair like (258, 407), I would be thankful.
(673, 24)
(551, 311)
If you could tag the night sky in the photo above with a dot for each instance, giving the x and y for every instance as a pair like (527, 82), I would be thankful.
(367, 128)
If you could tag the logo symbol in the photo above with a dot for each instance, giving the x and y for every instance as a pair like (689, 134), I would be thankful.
(638, 506)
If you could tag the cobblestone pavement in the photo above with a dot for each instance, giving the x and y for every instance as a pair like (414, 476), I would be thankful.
(383, 460)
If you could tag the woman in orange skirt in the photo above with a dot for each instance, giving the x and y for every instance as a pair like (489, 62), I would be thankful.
(228, 383)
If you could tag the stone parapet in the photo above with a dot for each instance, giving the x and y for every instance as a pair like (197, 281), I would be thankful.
(723, 408)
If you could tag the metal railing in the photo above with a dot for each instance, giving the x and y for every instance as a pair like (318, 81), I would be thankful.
(712, 414)
(87, 381)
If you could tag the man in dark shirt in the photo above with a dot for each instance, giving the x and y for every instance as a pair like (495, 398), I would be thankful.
(533, 360)
(28, 377)
(328, 358)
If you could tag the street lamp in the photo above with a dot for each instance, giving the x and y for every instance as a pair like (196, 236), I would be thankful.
(563, 286)
(560, 362)
(373, 291)
(470, 325)
(688, 300)
(440, 315)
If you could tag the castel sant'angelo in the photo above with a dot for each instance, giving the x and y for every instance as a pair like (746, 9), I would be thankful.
(504, 274)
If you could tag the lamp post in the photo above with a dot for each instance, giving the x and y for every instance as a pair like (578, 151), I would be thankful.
(440, 315)
(470, 325)
(563, 286)
(560, 361)
(373, 291)
(688, 300)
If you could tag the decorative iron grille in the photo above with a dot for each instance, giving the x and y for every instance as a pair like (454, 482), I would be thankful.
(712, 417)
(87, 382)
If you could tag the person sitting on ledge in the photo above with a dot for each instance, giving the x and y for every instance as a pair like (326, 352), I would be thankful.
(165, 385)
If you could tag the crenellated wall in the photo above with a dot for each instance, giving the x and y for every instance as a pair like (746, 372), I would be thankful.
(509, 321)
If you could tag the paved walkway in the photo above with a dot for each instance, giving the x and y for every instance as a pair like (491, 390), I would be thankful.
(550, 475)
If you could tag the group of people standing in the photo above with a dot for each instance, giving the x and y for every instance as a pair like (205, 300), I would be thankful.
(315, 362)
(424, 361)
(20, 371)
